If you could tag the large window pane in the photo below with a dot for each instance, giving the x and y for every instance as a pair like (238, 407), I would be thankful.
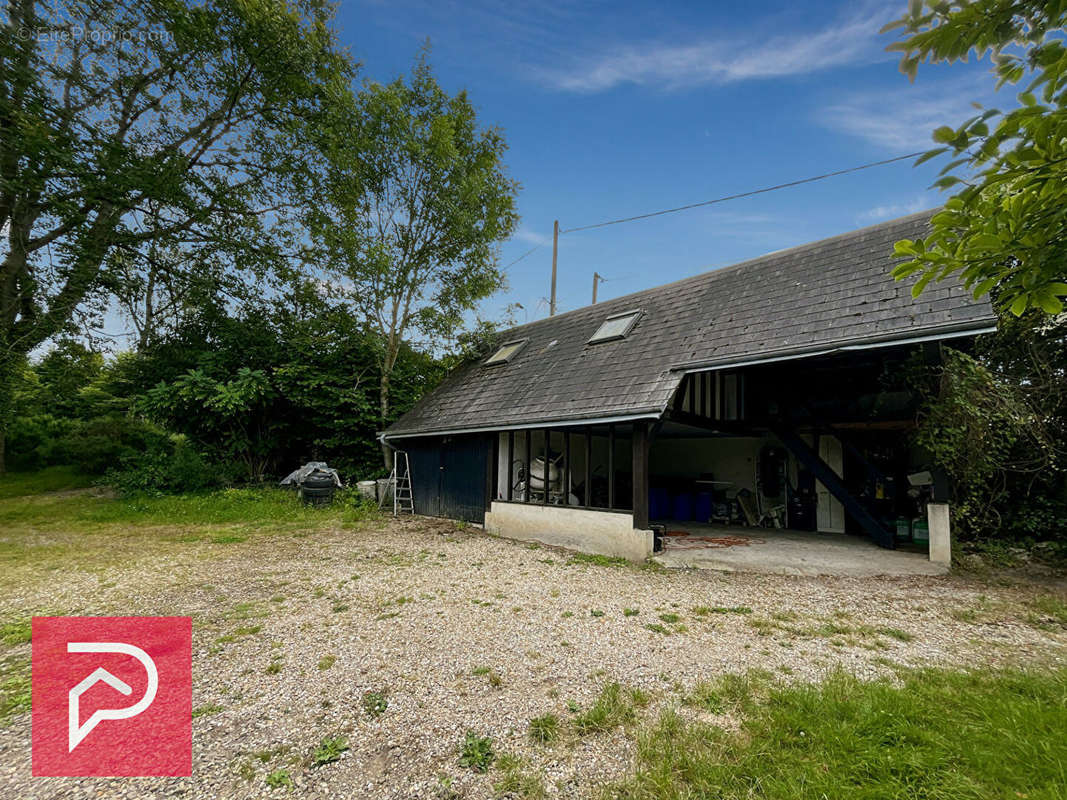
(579, 494)
(598, 469)
(556, 475)
(518, 468)
(537, 467)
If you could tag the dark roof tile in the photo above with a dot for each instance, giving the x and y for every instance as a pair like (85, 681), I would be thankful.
(815, 296)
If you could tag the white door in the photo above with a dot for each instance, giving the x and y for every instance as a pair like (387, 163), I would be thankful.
(831, 514)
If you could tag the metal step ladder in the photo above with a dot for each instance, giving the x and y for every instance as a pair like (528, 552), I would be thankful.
(400, 480)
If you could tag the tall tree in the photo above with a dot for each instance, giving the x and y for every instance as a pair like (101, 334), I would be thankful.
(157, 283)
(420, 202)
(1006, 228)
(200, 117)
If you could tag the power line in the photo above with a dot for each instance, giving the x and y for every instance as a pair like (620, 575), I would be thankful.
(742, 194)
(520, 258)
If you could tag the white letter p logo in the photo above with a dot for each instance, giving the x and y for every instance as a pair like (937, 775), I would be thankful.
(76, 732)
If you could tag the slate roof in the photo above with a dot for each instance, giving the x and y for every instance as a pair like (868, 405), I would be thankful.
(807, 299)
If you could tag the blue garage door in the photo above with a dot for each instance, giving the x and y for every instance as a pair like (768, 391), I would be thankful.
(448, 476)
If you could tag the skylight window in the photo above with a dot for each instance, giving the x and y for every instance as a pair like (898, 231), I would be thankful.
(506, 352)
(617, 326)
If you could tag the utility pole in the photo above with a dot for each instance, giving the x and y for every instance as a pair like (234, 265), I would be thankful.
(596, 279)
(555, 251)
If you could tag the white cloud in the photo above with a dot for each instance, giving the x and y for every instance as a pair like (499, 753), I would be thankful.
(904, 119)
(900, 209)
(736, 218)
(531, 237)
(726, 60)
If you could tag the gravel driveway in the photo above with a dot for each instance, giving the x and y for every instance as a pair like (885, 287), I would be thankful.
(462, 631)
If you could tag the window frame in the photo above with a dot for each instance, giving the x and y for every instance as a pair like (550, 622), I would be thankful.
(498, 362)
(635, 315)
(611, 432)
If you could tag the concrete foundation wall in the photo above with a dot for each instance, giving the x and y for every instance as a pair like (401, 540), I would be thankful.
(598, 532)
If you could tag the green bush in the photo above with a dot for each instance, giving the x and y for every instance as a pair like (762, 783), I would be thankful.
(99, 444)
(93, 446)
(31, 440)
(1040, 516)
(168, 465)
(994, 423)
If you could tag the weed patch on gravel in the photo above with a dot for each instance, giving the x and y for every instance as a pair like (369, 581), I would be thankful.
(476, 752)
(14, 688)
(544, 729)
(615, 706)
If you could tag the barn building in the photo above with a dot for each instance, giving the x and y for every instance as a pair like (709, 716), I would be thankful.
(772, 394)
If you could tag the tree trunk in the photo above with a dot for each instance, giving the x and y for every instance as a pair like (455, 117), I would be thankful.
(149, 315)
(7, 407)
(383, 400)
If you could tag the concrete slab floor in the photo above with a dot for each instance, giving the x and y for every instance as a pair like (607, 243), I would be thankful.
(784, 552)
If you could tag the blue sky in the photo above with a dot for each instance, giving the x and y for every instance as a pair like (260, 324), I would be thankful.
(617, 108)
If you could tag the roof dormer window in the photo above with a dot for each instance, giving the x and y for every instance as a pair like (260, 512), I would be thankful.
(506, 352)
(617, 326)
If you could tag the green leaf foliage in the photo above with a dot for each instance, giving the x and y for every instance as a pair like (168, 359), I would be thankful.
(127, 127)
(995, 421)
(227, 395)
(277, 385)
(1006, 225)
(297, 258)
(418, 201)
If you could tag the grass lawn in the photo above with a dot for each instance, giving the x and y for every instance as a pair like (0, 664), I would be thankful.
(927, 734)
(39, 510)
(52, 479)
(50, 498)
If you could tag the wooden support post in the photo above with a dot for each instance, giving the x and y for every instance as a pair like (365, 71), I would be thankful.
(640, 472)
(934, 357)
(611, 465)
(511, 460)
(548, 464)
(933, 354)
(492, 465)
(588, 476)
(566, 467)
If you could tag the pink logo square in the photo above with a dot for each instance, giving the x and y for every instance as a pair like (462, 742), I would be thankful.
(112, 696)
